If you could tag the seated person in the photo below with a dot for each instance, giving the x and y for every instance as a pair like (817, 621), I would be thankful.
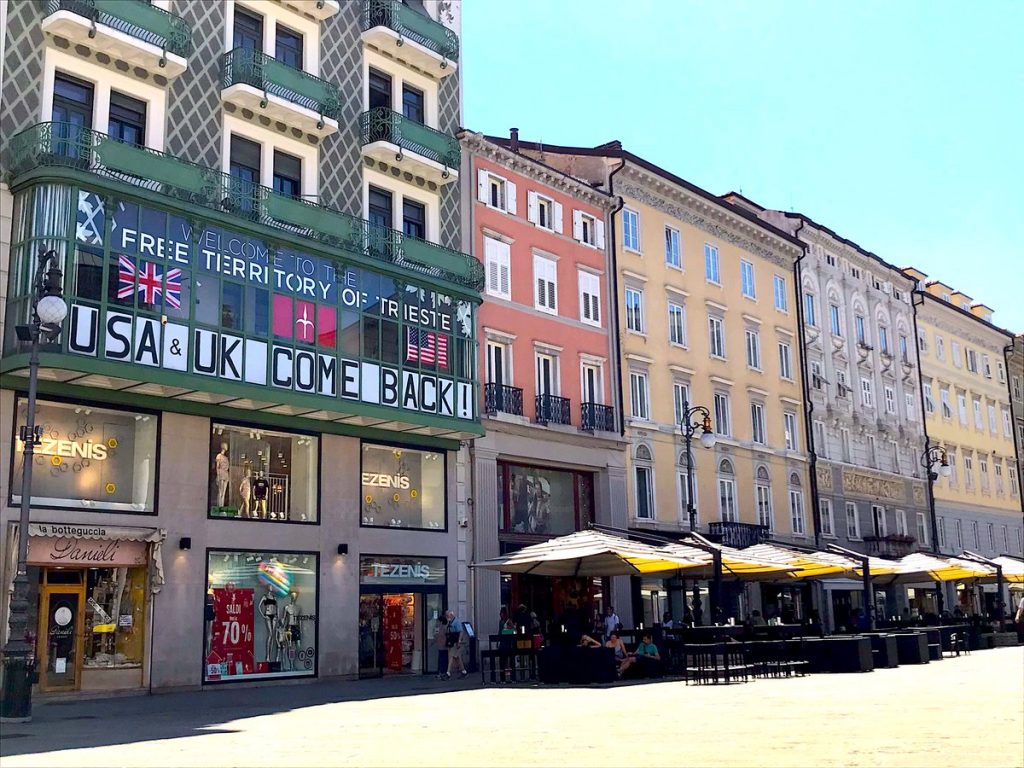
(647, 656)
(623, 660)
(586, 641)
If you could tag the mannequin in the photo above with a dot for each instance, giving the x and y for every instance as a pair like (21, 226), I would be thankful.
(268, 609)
(222, 469)
(245, 491)
(290, 619)
(260, 491)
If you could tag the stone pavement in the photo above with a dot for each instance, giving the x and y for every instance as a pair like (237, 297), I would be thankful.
(966, 711)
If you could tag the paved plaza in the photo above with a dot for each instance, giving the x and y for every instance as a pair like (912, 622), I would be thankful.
(965, 711)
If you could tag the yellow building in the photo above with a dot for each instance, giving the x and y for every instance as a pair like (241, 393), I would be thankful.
(707, 314)
(967, 412)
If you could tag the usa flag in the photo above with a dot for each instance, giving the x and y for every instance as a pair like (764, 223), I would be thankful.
(151, 282)
(427, 348)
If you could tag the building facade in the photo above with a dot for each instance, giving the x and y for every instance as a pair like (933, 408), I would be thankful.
(967, 412)
(552, 460)
(1015, 368)
(248, 462)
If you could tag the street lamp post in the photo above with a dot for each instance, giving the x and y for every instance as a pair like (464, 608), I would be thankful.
(48, 312)
(936, 465)
(689, 427)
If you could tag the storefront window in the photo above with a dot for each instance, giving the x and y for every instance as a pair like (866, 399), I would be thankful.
(544, 502)
(114, 618)
(260, 615)
(90, 458)
(262, 474)
(403, 488)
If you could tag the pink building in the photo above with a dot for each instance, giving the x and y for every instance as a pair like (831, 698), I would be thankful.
(552, 461)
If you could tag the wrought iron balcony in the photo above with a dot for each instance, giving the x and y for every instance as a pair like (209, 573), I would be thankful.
(148, 171)
(392, 137)
(390, 24)
(319, 101)
(133, 30)
(502, 398)
(553, 410)
(738, 534)
(892, 547)
(597, 417)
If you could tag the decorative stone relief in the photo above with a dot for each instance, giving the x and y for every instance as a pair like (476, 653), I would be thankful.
(868, 485)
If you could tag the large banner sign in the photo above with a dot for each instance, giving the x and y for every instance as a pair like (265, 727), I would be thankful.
(223, 304)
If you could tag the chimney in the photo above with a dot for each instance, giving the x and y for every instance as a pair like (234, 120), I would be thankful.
(514, 139)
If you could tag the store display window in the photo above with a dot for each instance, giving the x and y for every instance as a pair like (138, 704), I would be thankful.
(403, 488)
(90, 458)
(114, 618)
(544, 502)
(263, 474)
(260, 615)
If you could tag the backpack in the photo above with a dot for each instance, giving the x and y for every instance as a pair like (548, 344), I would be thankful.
(451, 637)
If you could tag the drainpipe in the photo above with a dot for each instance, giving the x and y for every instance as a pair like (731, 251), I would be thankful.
(614, 273)
(917, 300)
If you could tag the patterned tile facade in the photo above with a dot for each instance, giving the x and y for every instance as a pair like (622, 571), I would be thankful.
(23, 69)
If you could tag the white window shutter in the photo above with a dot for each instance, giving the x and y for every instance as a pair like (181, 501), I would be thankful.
(584, 298)
(504, 278)
(558, 218)
(510, 197)
(600, 234)
(481, 186)
(577, 225)
(531, 206)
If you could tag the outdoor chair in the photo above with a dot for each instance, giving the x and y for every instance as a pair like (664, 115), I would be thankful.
(958, 644)
(702, 664)
(736, 666)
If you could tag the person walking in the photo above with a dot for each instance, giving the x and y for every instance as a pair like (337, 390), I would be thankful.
(454, 642)
(611, 622)
(441, 645)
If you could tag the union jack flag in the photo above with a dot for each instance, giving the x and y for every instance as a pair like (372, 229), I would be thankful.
(150, 284)
(427, 348)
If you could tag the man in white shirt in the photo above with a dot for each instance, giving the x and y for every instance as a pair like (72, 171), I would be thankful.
(611, 621)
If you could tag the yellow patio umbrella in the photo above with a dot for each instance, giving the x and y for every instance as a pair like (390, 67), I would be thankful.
(1013, 570)
(736, 563)
(921, 566)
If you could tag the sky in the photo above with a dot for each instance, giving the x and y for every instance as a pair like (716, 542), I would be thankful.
(899, 126)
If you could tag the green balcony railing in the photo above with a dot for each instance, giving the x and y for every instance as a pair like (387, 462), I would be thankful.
(383, 124)
(136, 18)
(408, 23)
(71, 146)
(271, 76)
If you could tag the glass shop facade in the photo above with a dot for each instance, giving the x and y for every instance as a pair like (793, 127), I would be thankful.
(249, 440)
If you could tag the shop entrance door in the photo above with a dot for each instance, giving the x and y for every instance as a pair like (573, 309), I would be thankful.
(396, 632)
(60, 638)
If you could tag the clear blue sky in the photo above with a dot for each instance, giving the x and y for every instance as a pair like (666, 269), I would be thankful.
(898, 125)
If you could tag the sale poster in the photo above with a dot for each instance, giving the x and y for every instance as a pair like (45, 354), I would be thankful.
(393, 634)
(231, 636)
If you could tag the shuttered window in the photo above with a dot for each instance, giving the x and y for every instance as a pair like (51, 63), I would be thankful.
(497, 262)
(590, 298)
(545, 278)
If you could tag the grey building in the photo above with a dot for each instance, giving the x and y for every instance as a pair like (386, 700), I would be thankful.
(249, 464)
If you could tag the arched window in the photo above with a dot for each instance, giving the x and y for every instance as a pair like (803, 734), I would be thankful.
(725, 467)
(797, 518)
(763, 495)
(726, 492)
(794, 479)
(643, 481)
(643, 453)
(762, 475)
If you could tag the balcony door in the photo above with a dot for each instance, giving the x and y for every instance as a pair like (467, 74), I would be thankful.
(498, 364)
(72, 113)
(248, 30)
(547, 375)
(591, 384)
(380, 90)
(246, 158)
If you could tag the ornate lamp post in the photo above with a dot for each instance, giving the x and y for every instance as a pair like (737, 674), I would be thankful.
(48, 312)
(936, 465)
(689, 426)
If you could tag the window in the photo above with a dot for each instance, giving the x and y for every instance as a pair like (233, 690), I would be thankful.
(716, 337)
(940, 347)
(941, 523)
(972, 361)
(1018, 388)
(929, 400)
(958, 534)
(979, 421)
(590, 298)
(844, 439)
(825, 513)
(890, 400)
(747, 279)
(796, 506)
(781, 302)
(289, 47)
(958, 360)
(381, 213)
(499, 357)
(244, 587)
(1006, 539)
(968, 471)
(862, 335)
(630, 230)
(1007, 432)
(496, 192)
(726, 493)
(722, 426)
(547, 374)
(245, 164)
(852, 521)
(961, 404)
(992, 426)
(820, 443)
(591, 383)
(830, 259)
(380, 95)
(248, 30)
(1014, 488)
(883, 339)
(789, 426)
(837, 327)
(757, 422)
(911, 406)
(947, 408)
(872, 447)
(786, 361)
(999, 475)
(855, 272)
(753, 350)
(634, 310)
(901, 523)
(763, 492)
(1002, 372)
(680, 400)
(986, 366)
(498, 265)
(587, 229)
(983, 466)
(638, 395)
(904, 349)
(817, 380)
(545, 276)
(544, 212)
(951, 460)
(676, 324)
(644, 491)
(922, 339)
(673, 251)
(568, 496)
(867, 395)
(414, 219)
(288, 177)
(975, 534)
(127, 119)
(413, 104)
(894, 455)
(711, 272)
(810, 315)
(263, 474)
(878, 520)
(96, 459)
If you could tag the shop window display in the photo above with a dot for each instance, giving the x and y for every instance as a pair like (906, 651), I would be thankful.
(90, 458)
(262, 474)
(260, 615)
(403, 488)
(114, 618)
